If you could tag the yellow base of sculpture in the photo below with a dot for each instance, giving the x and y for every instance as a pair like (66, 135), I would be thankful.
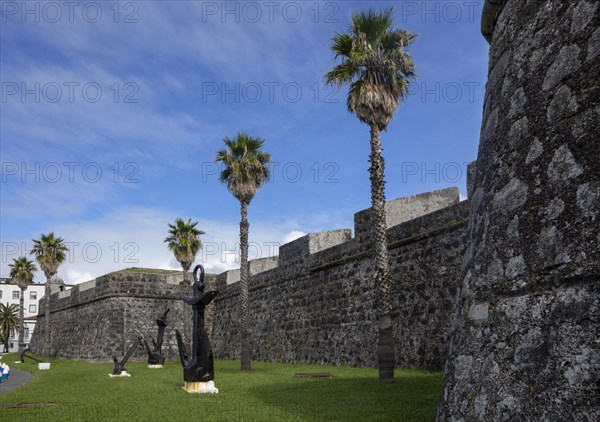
(200, 387)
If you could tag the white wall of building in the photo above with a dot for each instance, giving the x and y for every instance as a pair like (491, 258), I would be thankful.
(10, 293)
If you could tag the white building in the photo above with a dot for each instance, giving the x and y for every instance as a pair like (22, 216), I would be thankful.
(11, 293)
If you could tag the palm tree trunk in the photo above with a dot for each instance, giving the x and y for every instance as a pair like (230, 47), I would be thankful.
(383, 288)
(47, 349)
(21, 321)
(244, 299)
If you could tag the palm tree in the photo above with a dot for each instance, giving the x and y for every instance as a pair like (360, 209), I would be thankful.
(4, 339)
(183, 241)
(21, 271)
(9, 322)
(49, 252)
(245, 170)
(376, 65)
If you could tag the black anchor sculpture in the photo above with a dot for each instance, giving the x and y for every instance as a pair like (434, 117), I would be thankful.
(200, 366)
(23, 356)
(120, 366)
(155, 356)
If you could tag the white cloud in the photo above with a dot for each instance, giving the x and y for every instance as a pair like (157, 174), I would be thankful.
(134, 237)
(293, 235)
(75, 277)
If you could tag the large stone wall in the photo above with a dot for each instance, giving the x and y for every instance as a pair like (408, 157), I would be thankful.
(316, 306)
(312, 303)
(525, 340)
(95, 319)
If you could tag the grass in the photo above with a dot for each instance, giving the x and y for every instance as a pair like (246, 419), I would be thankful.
(82, 391)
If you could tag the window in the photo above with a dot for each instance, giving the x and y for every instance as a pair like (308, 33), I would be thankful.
(16, 294)
(0, 294)
(32, 309)
(33, 295)
(26, 332)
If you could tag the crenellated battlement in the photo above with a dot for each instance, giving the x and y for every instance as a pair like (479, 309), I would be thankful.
(300, 252)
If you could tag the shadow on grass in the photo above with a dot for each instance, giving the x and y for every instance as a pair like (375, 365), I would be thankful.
(411, 398)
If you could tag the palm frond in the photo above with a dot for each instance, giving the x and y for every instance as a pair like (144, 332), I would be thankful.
(21, 270)
(369, 27)
(9, 319)
(49, 252)
(342, 45)
(184, 241)
(375, 63)
(343, 73)
(246, 167)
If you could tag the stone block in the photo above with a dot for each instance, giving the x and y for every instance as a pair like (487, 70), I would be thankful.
(297, 251)
(405, 209)
(263, 264)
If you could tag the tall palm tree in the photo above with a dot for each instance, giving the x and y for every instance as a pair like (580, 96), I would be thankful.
(376, 65)
(49, 252)
(245, 170)
(184, 242)
(9, 322)
(21, 271)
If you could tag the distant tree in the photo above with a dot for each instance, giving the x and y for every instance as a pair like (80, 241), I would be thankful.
(184, 242)
(4, 340)
(21, 271)
(376, 65)
(9, 322)
(49, 252)
(245, 170)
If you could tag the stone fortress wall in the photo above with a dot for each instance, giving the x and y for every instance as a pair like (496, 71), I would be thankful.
(312, 303)
(103, 316)
(316, 304)
(526, 337)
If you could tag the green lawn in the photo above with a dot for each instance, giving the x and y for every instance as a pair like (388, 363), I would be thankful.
(82, 391)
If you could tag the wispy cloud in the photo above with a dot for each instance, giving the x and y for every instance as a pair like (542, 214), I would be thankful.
(134, 237)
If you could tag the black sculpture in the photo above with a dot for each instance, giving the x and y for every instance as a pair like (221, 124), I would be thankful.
(23, 356)
(199, 369)
(120, 366)
(155, 356)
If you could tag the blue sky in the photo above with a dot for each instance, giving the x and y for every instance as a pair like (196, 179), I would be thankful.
(111, 113)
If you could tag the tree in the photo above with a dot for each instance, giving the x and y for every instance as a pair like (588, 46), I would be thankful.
(9, 322)
(21, 271)
(376, 65)
(245, 170)
(49, 252)
(184, 242)
(4, 339)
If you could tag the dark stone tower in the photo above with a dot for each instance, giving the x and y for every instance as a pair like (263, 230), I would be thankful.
(526, 335)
